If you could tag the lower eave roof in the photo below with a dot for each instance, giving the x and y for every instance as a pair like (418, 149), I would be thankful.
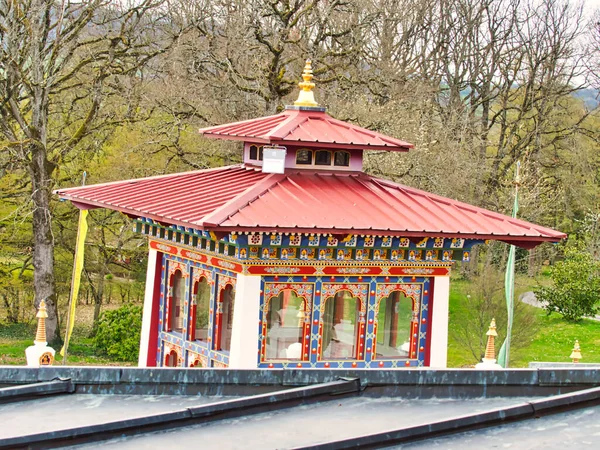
(237, 198)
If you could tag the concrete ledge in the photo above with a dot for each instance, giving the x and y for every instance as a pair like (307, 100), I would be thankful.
(410, 383)
(29, 391)
(557, 365)
(88, 374)
(582, 376)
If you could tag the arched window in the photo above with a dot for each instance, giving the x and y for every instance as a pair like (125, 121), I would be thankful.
(253, 152)
(285, 326)
(176, 302)
(172, 359)
(394, 322)
(304, 157)
(341, 159)
(340, 327)
(201, 306)
(322, 158)
(225, 321)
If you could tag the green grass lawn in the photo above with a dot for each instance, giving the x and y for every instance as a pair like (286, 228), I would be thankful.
(553, 341)
(15, 338)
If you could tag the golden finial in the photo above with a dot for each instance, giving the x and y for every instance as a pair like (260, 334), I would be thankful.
(40, 335)
(306, 97)
(490, 351)
(576, 353)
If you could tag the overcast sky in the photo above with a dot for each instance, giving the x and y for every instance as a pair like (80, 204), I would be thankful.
(591, 5)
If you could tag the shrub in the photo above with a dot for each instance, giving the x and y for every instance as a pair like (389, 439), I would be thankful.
(575, 290)
(118, 333)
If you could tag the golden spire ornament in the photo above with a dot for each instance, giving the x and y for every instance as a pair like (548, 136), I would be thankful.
(42, 314)
(490, 350)
(306, 97)
(576, 353)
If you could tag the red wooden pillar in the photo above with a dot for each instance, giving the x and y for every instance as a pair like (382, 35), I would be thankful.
(154, 323)
(169, 303)
(305, 334)
(218, 322)
(192, 321)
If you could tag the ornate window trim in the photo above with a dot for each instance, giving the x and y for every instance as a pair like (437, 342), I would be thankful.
(305, 291)
(411, 291)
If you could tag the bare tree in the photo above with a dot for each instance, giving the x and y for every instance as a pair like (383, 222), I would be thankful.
(60, 62)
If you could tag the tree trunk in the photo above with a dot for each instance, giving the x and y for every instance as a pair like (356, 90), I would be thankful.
(98, 296)
(43, 242)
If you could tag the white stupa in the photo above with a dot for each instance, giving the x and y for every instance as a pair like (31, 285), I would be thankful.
(40, 354)
(489, 360)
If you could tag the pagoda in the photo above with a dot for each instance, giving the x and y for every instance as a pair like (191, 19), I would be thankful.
(296, 258)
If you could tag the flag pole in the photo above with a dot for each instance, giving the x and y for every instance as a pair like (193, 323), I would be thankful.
(509, 283)
(75, 277)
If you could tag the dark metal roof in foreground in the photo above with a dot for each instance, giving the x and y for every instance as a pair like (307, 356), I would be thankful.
(238, 198)
(303, 408)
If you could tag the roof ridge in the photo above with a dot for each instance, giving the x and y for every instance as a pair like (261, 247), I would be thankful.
(284, 127)
(153, 177)
(239, 122)
(234, 205)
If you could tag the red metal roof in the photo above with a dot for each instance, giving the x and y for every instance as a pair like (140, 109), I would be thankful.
(242, 199)
(307, 127)
(182, 198)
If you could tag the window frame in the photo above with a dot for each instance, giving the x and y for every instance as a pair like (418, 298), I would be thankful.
(304, 330)
(310, 152)
(200, 275)
(172, 305)
(413, 325)
(253, 152)
(321, 152)
(359, 292)
(341, 152)
(221, 313)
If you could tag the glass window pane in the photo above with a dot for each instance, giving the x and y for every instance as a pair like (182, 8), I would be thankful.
(176, 307)
(342, 159)
(323, 158)
(260, 153)
(304, 157)
(202, 299)
(393, 327)
(340, 327)
(285, 324)
(227, 297)
(253, 152)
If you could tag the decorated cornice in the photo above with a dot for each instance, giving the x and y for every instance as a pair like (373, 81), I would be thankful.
(290, 248)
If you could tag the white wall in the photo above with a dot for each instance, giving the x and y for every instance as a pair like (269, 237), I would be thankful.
(244, 333)
(147, 312)
(439, 322)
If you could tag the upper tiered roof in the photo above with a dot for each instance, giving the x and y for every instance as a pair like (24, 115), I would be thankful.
(305, 124)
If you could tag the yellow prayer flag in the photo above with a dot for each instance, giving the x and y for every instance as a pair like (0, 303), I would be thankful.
(77, 268)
